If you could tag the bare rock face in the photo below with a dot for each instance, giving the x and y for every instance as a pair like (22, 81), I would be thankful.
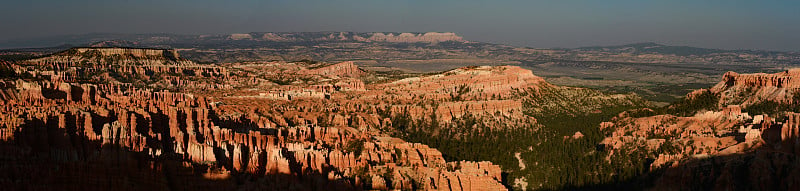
(787, 79)
(778, 87)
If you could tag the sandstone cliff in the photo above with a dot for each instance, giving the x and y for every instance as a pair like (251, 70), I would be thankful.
(746, 89)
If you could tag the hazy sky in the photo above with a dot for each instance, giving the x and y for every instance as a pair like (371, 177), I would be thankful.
(731, 24)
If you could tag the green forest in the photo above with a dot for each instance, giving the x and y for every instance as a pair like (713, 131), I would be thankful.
(549, 159)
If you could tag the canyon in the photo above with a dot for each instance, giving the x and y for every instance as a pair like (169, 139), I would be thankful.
(100, 118)
(135, 110)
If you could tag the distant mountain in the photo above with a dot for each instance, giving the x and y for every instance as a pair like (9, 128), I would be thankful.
(114, 43)
(50, 49)
(655, 48)
(288, 39)
(241, 39)
(78, 40)
(406, 37)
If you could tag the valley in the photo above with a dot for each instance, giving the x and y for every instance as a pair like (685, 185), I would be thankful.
(657, 72)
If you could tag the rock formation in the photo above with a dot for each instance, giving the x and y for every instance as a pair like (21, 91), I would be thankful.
(343, 69)
(725, 148)
(154, 120)
(746, 89)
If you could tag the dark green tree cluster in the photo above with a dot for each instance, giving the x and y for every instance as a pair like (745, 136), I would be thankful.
(688, 106)
(91, 54)
(708, 101)
(459, 93)
(355, 146)
(774, 108)
(468, 138)
(7, 72)
(560, 163)
(19, 57)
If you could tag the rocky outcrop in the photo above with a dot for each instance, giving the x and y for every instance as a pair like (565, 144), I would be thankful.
(788, 79)
(240, 36)
(276, 37)
(747, 89)
(711, 150)
(342, 69)
(703, 134)
(790, 133)
(749, 169)
(720, 150)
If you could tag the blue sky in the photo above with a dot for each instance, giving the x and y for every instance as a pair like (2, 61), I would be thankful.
(730, 24)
